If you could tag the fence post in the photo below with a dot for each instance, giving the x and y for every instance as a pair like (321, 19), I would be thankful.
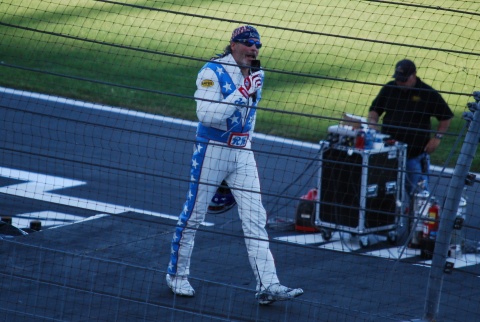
(449, 210)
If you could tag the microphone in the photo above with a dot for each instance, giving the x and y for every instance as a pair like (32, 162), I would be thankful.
(254, 67)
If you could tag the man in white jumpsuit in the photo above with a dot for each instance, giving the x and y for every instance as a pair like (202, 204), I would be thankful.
(227, 94)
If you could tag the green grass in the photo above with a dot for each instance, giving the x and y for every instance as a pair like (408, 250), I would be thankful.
(147, 59)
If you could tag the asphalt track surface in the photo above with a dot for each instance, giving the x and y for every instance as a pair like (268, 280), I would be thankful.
(127, 172)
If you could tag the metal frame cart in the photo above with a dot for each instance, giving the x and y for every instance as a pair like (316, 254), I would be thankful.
(360, 191)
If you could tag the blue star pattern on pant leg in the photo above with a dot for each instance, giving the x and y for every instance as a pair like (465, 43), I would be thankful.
(195, 169)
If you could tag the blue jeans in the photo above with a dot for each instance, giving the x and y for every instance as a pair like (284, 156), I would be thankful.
(415, 173)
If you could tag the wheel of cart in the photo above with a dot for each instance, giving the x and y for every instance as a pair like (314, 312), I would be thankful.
(326, 234)
(392, 237)
(363, 241)
(398, 236)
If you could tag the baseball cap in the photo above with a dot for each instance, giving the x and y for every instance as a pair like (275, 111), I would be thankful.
(403, 70)
(245, 32)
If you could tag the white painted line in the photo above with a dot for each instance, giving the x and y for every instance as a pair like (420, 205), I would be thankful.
(302, 239)
(461, 261)
(344, 242)
(339, 241)
(47, 218)
(83, 220)
(345, 245)
(465, 260)
(124, 111)
(38, 187)
(394, 253)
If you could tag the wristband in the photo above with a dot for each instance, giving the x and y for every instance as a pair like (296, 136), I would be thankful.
(439, 136)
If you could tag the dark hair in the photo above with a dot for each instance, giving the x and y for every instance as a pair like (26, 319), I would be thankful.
(226, 51)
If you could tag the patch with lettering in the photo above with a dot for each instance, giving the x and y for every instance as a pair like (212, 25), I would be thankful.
(416, 98)
(207, 83)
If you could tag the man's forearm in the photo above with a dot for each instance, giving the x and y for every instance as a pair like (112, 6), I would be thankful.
(372, 120)
(443, 126)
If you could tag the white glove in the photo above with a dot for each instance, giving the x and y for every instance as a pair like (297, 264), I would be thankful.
(251, 84)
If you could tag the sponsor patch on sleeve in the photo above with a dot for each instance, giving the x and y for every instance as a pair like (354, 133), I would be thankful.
(207, 83)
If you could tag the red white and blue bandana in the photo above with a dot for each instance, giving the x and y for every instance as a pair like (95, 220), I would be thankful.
(245, 32)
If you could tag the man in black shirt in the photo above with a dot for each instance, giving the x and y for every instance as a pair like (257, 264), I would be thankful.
(407, 105)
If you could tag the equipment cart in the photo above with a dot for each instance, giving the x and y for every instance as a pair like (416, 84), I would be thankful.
(360, 191)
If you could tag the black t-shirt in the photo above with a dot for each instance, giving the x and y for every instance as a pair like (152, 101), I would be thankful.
(408, 112)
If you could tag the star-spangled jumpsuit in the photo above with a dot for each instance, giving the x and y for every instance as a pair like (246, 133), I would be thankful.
(222, 151)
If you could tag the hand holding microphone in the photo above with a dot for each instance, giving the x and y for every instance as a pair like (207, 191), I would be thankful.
(251, 84)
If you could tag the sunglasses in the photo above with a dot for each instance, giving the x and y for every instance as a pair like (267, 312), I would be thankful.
(250, 43)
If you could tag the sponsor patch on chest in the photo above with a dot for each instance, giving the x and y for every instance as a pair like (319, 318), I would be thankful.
(207, 83)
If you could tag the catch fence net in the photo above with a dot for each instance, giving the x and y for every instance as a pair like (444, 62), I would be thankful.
(98, 127)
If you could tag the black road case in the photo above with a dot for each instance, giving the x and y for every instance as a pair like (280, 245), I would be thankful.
(360, 191)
